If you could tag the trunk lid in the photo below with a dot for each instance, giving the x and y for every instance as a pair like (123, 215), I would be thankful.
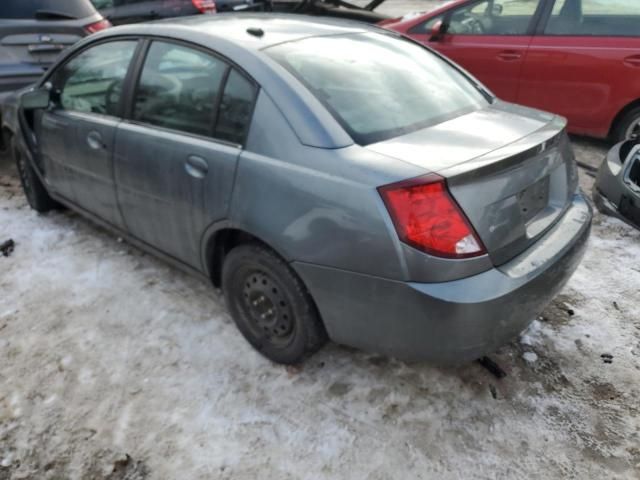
(511, 169)
(37, 44)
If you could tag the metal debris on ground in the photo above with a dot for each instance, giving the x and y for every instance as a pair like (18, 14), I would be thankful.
(607, 358)
(492, 367)
(7, 247)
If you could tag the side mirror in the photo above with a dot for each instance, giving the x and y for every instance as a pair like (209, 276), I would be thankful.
(437, 31)
(36, 98)
(496, 10)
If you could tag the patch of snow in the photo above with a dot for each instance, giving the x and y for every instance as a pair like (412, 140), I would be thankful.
(121, 353)
(533, 334)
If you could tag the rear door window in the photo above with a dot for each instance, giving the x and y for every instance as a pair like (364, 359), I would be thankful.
(23, 9)
(92, 81)
(178, 88)
(236, 107)
(606, 18)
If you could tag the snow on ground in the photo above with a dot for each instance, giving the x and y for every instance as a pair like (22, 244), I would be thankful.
(114, 365)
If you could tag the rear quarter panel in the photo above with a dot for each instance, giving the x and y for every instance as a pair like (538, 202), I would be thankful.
(316, 205)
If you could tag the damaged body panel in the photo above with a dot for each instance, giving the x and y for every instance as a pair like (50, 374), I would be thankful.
(617, 189)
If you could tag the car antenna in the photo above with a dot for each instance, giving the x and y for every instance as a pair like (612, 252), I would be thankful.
(255, 31)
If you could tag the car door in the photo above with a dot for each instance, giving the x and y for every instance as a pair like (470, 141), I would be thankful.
(176, 155)
(585, 63)
(77, 133)
(487, 37)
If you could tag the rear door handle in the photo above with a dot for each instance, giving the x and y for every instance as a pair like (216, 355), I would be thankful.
(94, 140)
(510, 55)
(632, 61)
(196, 166)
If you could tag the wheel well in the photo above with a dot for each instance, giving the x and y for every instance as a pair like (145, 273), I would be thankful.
(622, 113)
(221, 244)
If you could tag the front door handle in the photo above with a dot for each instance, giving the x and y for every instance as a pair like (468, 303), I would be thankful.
(632, 61)
(510, 55)
(94, 140)
(196, 166)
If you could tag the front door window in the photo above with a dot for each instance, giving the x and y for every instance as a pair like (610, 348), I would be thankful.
(92, 81)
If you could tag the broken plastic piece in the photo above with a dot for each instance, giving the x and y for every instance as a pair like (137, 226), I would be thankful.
(493, 367)
(7, 247)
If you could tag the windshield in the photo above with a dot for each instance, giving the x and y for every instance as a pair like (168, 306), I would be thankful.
(378, 86)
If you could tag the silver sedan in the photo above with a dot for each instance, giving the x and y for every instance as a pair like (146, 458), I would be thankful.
(336, 180)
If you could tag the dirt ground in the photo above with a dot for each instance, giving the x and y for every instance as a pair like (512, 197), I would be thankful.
(115, 366)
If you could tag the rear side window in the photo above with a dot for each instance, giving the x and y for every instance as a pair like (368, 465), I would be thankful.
(178, 88)
(92, 81)
(23, 9)
(236, 107)
(610, 18)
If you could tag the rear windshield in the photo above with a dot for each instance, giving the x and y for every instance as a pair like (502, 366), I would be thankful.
(27, 8)
(378, 86)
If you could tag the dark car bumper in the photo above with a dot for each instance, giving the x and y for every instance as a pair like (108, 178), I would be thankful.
(456, 321)
(617, 188)
(14, 77)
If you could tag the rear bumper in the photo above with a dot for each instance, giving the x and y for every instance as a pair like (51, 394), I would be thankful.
(456, 321)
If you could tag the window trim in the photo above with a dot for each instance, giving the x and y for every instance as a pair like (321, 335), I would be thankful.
(546, 18)
(76, 53)
(138, 66)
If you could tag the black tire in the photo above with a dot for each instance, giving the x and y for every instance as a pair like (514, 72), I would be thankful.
(627, 125)
(34, 190)
(270, 305)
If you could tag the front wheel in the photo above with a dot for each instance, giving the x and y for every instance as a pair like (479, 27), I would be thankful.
(270, 305)
(628, 126)
(34, 190)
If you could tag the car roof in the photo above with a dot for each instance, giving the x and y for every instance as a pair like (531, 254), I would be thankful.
(234, 28)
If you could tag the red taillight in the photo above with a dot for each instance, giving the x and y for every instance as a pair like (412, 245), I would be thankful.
(205, 6)
(428, 218)
(97, 26)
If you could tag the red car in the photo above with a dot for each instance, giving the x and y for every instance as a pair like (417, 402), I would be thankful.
(577, 58)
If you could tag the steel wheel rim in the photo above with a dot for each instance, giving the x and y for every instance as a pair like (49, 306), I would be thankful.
(267, 309)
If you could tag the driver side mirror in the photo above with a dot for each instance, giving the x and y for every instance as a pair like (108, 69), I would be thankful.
(496, 11)
(37, 98)
(437, 31)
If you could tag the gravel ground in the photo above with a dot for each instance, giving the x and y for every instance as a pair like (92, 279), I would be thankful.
(115, 366)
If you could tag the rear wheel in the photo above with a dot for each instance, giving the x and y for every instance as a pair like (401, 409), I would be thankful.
(628, 126)
(270, 304)
(34, 190)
